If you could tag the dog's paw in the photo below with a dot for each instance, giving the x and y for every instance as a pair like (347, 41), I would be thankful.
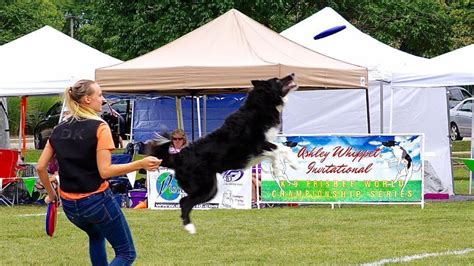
(190, 228)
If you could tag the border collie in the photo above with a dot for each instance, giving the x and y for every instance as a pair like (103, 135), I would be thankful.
(244, 139)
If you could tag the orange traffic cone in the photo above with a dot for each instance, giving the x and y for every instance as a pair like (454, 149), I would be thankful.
(141, 205)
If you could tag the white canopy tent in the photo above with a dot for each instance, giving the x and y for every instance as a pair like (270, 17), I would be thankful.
(453, 68)
(45, 62)
(450, 69)
(401, 110)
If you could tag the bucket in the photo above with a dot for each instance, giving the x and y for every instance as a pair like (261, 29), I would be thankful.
(136, 196)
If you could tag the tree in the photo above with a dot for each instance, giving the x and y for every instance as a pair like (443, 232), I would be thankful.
(420, 27)
(462, 28)
(21, 17)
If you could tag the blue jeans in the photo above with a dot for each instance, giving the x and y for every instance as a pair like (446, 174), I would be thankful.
(100, 216)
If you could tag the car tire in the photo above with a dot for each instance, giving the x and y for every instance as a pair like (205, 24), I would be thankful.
(454, 133)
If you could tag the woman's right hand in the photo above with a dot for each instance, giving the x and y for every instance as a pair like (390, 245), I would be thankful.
(48, 200)
(150, 163)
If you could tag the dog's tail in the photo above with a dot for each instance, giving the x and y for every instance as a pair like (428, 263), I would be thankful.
(159, 147)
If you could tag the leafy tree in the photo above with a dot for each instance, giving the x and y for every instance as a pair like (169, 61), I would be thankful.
(21, 17)
(420, 27)
(462, 28)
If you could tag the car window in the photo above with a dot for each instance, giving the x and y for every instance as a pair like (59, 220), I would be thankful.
(120, 107)
(466, 94)
(455, 95)
(466, 107)
(54, 110)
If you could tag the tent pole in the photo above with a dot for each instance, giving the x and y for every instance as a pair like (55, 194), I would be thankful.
(381, 107)
(198, 111)
(132, 103)
(61, 115)
(391, 110)
(192, 115)
(367, 107)
(22, 137)
(179, 112)
(204, 115)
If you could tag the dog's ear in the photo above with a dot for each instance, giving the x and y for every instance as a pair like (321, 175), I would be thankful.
(259, 83)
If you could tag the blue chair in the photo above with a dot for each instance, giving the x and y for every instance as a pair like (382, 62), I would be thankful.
(120, 184)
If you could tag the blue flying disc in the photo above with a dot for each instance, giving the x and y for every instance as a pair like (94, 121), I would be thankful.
(329, 32)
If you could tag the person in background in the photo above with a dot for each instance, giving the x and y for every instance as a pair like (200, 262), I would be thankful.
(178, 141)
(83, 147)
(52, 170)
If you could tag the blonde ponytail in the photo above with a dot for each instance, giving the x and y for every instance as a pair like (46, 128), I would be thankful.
(73, 96)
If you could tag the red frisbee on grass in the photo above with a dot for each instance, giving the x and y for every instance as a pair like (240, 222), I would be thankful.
(51, 214)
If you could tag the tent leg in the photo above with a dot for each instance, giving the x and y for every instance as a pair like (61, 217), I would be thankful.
(192, 116)
(368, 111)
(204, 115)
(381, 107)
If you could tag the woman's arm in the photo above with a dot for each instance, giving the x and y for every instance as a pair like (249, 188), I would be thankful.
(41, 168)
(104, 157)
(107, 169)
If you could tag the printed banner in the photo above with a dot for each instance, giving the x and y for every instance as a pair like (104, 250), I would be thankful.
(351, 169)
(233, 190)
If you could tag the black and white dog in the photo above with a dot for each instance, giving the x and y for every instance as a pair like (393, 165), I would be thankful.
(244, 139)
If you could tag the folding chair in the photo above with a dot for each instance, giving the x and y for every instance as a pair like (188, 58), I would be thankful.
(8, 173)
(120, 184)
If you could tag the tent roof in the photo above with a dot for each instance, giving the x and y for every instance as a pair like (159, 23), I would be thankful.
(458, 57)
(46, 61)
(227, 53)
(350, 45)
(450, 69)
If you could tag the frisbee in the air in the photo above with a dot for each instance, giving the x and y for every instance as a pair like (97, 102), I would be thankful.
(329, 32)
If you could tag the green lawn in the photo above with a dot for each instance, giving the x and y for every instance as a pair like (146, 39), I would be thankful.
(272, 236)
(307, 235)
(461, 146)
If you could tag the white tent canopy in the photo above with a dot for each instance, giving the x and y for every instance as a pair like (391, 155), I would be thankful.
(349, 45)
(46, 61)
(450, 69)
(393, 110)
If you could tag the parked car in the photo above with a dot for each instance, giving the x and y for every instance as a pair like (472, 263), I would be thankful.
(45, 126)
(460, 117)
(456, 95)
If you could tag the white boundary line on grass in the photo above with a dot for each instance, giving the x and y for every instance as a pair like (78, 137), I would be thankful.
(419, 256)
(29, 215)
(33, 214)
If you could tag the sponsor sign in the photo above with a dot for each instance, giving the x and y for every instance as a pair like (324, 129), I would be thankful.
(346, 169)
(233, 190)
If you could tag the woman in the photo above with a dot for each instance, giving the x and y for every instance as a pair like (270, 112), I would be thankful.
(82, 145)
(178, 141)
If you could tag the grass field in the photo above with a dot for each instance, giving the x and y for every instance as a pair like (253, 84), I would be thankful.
(440, 234)
(304, 235)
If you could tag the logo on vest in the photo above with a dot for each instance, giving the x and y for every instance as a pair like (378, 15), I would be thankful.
(72, 134)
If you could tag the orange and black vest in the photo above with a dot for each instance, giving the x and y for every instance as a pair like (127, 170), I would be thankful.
(75, 144)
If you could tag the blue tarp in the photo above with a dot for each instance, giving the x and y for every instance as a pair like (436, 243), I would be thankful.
(159, 114)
